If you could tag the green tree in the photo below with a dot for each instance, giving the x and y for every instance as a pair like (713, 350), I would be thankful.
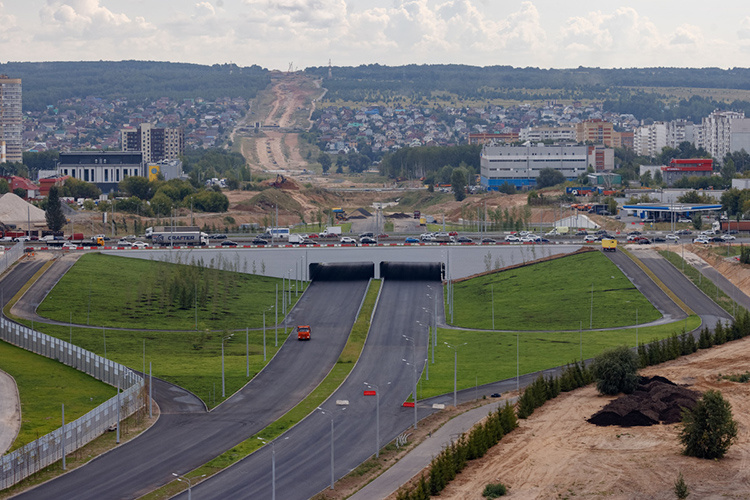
(697, 222)
(708, 430)
(76, 188)
(20, 192)
(54, 214)
(4, 186)
(616, 370)
(458, 182)
(728, 170)
(325, 162)
(549, 177)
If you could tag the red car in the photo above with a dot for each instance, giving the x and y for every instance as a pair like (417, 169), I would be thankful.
(453, 233)
(312, 235)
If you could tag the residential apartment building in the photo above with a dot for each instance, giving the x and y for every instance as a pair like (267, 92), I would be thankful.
(548, 133)
(155, 143)
(724, 132)
(598, 131)
(679, 131)
(10, 119)
(649, 140)
(520, 165)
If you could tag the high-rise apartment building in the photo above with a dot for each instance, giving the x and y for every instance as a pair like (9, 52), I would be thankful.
(598, 132)
(10, 118)
(724, 132)
(155, 143)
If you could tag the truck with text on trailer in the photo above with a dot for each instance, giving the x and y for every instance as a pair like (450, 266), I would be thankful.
(177, 236)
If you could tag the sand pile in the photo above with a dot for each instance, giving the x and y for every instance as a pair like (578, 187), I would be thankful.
(656, 400)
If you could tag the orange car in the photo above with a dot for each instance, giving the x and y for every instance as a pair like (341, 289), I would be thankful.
(303, 332)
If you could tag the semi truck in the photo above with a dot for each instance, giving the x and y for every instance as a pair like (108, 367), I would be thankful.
(177, 236)
(731, 225)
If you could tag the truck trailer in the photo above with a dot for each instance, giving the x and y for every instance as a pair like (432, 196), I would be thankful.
(179, 237)
(731, 225)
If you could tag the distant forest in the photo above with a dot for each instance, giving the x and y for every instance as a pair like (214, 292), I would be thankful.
(47, 83)
(619, 89)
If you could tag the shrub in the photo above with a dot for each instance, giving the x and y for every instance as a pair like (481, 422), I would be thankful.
(494, 490)
(708, 429)
(681, 488)
(616, 371)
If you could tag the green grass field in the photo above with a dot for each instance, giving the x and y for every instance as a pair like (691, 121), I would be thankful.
(121, 292)
(44, 385)
(553, 295)
(491, 356)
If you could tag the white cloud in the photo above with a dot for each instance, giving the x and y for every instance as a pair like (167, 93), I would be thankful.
(687, 36)
(744, 32)
(86, 20)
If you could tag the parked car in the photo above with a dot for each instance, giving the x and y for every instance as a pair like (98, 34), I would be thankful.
(347, 240)
(228, 243)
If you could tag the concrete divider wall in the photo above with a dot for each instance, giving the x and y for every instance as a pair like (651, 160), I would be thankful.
(48, 449)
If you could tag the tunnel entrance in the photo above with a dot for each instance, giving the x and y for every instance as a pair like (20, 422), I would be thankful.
(351, 271)
(411, 271)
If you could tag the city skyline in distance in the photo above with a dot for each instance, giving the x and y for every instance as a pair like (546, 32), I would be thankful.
(273, 34)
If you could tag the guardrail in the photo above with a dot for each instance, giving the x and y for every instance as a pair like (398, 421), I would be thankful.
(48, 449)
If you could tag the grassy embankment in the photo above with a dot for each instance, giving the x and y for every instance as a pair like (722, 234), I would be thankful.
(554, 296)
(333, 380)
(143, 297)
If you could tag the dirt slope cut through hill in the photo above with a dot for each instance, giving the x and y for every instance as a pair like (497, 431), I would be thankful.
(557, 454)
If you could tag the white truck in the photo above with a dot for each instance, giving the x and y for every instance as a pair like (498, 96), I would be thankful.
(177, 236)
(331, 231)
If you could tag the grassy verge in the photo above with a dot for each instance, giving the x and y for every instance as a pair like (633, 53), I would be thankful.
(706, 285)
(44, 385)
(122, 292)
(554, 295)
(489, 357)
(333, 380)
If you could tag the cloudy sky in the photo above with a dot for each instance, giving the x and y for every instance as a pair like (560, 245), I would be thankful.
(273, 33)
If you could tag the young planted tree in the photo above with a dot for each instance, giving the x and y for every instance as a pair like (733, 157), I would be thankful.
(616, 370)
(708, 429)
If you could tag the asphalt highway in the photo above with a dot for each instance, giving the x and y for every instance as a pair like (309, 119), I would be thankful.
(302, 454)
(185, 436)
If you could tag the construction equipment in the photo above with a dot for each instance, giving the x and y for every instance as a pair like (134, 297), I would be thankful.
(303, 332)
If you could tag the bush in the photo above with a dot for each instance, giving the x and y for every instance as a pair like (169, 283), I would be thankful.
(616, 371)
(681, 488)
(494, 490)
(708, 429)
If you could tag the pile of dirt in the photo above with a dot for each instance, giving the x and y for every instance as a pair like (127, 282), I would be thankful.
(656, 400)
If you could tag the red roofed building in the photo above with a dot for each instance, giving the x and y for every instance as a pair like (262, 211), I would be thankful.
(689, 167)
(46, 184)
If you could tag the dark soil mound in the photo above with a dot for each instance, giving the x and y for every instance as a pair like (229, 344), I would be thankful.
(656, 400)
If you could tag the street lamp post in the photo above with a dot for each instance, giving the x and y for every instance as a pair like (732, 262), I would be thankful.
(455, 370)
(330, 414)
(273, 466)
(184, 479)
(223, 385)
(377, 417)
(414, 365)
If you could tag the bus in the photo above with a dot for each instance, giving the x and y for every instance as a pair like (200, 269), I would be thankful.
(279, 233)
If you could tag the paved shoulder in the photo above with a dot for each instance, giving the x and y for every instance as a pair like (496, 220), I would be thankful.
(10, 412)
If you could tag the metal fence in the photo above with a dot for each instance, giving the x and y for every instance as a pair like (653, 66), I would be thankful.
(10, 256)
(48, 449)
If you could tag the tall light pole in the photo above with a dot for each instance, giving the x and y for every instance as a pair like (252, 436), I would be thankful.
(414, 365)
(330, 414)
(223, 385)
(377, 417)
(184, 479)
(273, 466)
(455, 370)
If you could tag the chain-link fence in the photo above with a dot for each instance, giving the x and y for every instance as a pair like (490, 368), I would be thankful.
(10, 256)
(48, 449)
